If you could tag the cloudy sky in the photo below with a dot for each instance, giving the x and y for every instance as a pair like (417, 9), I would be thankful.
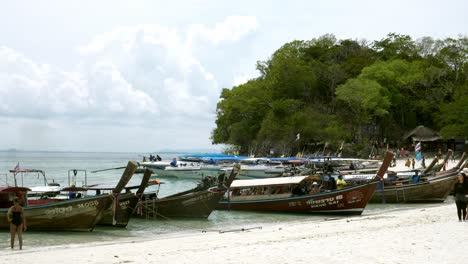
(144, 76)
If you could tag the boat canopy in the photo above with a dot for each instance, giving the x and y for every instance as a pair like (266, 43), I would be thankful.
(46, 189)
(104, 187)
(226, 158)
(8, 189)
(268, 181)
(15, 171)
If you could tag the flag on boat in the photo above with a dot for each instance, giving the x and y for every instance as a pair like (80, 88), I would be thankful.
(417, 150)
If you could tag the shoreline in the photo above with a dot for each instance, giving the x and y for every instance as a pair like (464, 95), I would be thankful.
(430, 235)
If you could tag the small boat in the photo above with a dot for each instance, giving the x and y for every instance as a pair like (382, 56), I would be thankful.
(80, 214)
(124, 204)
(184, 170)
(426, 188)
(195, 203)
(298, 194)
(251, 168)
(433, 190)
(277, 196)
(258, 168)
(343, 164)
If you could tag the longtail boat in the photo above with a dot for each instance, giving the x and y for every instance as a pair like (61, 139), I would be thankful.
(124, 204)
(428, 188)
(281, 195)
(79, 214)
(195, 203)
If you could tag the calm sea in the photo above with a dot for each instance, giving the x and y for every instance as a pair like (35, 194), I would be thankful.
(57, 166)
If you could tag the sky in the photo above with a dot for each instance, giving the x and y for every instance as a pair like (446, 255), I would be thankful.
(145, 76)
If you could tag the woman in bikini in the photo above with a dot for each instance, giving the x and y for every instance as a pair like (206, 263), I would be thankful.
(17, 222)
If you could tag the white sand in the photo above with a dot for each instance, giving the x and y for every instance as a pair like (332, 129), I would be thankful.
(400, 165)
(429, 235)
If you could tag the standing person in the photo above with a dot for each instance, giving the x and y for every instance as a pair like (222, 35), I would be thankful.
(413, 162)
(408, 163)
(331, 183)
(459, 191)
(423, 162)
(340, 183)
(17, 222)
(403, 153)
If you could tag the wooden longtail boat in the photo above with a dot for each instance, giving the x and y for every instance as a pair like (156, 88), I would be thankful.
(80, 214)
(428, 189)
(351, 200)
(126, 202)
(195, 203)
(277, 195)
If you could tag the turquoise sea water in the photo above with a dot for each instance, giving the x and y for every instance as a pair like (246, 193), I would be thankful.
(57, 164)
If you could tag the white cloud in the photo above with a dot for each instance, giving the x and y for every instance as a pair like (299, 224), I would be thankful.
(31, 90)
(145, 74)
(232, 28)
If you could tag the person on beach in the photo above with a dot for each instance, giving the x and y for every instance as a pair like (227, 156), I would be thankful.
(17, 222)
(460, 191)
(340, 183)
(403, 153)
(413, 162)
(423, 162)
(408, 163)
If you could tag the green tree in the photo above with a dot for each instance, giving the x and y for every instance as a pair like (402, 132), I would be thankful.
(239, 114)
(366, 99)
(325, 88)
(453, 117)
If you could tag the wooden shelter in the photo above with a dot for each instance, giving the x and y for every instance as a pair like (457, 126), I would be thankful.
(422, 134)
(430, 139)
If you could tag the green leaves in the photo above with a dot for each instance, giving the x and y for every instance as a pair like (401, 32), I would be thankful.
(453, 117)
(330, 90)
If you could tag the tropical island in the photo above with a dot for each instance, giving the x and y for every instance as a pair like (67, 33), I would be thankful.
(322, 92)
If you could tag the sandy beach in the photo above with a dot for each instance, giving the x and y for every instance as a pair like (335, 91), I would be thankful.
(426, 234)
(430, 234)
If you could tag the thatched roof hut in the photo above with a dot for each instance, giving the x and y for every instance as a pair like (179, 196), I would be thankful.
(423, 134)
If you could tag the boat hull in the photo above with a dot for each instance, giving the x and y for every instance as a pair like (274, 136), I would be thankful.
(127, 203)
(348, 201)
(71, 215)
(197, 172)
(434, 190)
(194, 205)
(248, 173)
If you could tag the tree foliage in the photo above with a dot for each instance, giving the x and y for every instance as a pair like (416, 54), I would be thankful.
(325, 90)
